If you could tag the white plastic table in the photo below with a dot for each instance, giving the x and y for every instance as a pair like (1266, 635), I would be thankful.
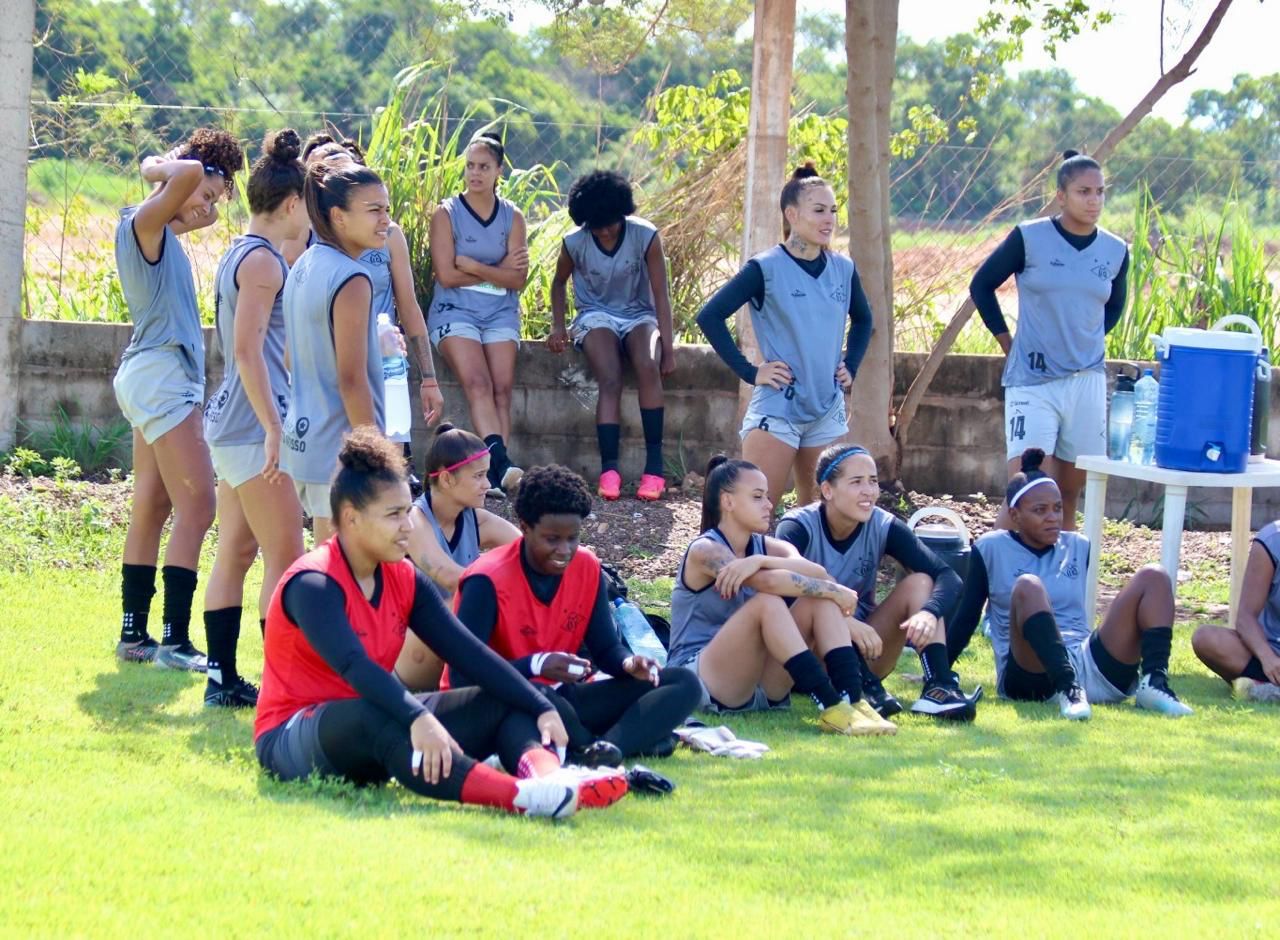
(1175, 483)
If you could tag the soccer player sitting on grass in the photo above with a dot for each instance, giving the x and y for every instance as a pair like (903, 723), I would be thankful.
(1249, 656)
(540, 599)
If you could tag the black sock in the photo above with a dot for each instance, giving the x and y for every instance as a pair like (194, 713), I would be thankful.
(137, 587)
(179, 588)
(1156, 642)
(608, 437)
(870, 681)
(1253, 670)
(809, 679)
(846, 674)
(936, 664)
(651, 420)
(1041, 633)
(221, 635)
(498, 460)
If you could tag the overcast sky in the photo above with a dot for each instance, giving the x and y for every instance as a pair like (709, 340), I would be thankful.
(1120, 62)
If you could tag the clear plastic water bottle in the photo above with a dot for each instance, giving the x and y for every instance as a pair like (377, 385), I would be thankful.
(1146, 396)
(1120, 424)
(395, 380)
(636, 632)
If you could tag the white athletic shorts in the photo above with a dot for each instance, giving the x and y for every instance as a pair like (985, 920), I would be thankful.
(314, 498)
(604, 320)
(154, 392)
(481, 334)
(237, 464)
(830, 427)
(1066, 418)
(759, 701)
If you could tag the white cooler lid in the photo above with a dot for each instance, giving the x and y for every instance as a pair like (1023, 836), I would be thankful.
(1212, 339)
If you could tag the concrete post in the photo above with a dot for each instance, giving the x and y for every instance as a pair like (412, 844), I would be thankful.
(17, 27)
(771, 65)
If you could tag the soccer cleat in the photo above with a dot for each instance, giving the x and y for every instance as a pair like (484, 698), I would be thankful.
(846, 719)
(863, 708)
(610, 485)
(641, 779)
(139, 651)
(651, 487)
(545, 796)
(1155, 695)
(596, 789)
(182, 656)
(511, 479)
(878, 697)
(596, 754)
(238, 694)
(1073, 703)
(1260, 691)
(945, 701)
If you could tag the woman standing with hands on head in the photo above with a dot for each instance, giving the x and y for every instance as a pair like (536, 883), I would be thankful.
(330, 331)
(801, 294)
(1072, 278)
(481, 262)
(160, 388)
(257, 506)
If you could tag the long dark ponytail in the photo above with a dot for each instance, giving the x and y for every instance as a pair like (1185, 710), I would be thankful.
(722, 474)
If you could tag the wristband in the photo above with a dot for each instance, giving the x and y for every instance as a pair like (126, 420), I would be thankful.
(536, 663)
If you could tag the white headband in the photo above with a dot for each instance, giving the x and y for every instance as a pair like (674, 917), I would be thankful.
(1022, 492)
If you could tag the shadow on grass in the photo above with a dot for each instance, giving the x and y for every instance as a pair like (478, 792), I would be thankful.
(134, 698)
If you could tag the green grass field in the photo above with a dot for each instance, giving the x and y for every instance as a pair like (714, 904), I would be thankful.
(132, 811)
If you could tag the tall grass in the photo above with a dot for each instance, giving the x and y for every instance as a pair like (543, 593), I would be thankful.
(420, 153)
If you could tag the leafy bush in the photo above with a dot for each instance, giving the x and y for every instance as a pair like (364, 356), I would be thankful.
(24, 462)
(82, 445)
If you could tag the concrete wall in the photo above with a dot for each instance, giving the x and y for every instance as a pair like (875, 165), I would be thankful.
(957, 442)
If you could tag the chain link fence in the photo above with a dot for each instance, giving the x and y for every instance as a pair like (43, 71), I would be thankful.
(90, 129)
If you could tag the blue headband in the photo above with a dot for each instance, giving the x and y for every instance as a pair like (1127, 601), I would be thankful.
(831, 467)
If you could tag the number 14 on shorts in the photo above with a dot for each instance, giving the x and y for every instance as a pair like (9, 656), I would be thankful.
(1017, 427)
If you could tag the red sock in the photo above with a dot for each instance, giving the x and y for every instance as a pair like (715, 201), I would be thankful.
(484, 786)
(537, 762)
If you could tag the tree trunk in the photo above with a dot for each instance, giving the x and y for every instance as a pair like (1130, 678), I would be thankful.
(1184, 68)
(771, 64)
(871, 36)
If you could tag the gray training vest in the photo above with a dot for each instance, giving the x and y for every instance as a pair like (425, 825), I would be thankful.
(483, 305)
(1061, 296)
(802, 322)
(378, 263)
(856, 568)
(615, 283)
(1062, 570)
(468, 547)
(316, 419)
(1269, 536)
(697, 616)
(229, 418)
(161, 297)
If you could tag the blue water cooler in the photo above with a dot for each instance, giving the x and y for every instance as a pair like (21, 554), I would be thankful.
(1205, 412)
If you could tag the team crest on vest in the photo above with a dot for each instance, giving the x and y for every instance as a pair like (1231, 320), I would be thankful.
(1071, 570)
(1101, 270)
(572, 621)
(375, 257)
(302, 426)
(840, 294)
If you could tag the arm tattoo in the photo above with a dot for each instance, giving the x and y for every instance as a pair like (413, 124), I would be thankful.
(810, 587)
(421, 350)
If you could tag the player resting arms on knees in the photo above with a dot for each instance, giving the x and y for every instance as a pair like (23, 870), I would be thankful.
(1249, 656)
(849, 535)
(1071, 278)
(257, 505)
(544, 580)
(732, 625)
(801, 294)
(1032, 578)
(329, 703)
(624, 310)
(330, 332)
(451, 528)
(160, 389)
(481, 263)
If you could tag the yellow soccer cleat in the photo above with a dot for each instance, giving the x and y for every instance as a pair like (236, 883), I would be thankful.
(846, 719)
(867, 711)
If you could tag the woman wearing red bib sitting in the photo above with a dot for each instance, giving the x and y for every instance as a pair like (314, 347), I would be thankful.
(541, 599)
(329, 703)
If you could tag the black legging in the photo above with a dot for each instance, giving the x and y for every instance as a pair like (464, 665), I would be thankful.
(628, 712)
(363, 744)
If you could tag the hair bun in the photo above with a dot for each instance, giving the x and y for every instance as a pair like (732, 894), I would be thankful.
(283, 146)
(714, 462)
(1068, 154)
(442, 427)
(805, 171)
(1032, 458)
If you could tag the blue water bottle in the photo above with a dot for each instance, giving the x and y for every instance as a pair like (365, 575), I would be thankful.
(1120, 424)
